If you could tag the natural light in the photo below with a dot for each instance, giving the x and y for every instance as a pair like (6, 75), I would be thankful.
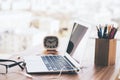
(32, 18)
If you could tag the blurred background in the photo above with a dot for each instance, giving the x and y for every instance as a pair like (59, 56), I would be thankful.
(24, 23)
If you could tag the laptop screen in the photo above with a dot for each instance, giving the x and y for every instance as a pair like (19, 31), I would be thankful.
(78, 31)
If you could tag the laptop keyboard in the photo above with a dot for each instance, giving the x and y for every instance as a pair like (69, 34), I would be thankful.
(57, 63)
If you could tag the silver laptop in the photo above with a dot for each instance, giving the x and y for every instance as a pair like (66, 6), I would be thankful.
(57, 63)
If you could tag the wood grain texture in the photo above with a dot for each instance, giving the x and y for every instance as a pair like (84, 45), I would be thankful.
(88, 72)
(105, 52)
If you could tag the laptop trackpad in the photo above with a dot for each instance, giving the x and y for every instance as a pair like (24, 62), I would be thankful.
(35, 64)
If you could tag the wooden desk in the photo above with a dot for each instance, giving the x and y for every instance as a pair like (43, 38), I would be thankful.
(88, 72)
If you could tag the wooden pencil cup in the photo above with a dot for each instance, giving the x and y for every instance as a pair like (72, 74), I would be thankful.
(105, 52)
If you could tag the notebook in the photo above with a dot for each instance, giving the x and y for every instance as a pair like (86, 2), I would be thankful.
(58, 63)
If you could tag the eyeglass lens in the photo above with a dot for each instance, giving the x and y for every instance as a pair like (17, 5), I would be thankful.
(3, 69)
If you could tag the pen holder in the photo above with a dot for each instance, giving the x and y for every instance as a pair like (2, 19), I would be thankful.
(105, 52)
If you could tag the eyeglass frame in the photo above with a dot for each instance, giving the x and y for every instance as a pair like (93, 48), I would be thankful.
(12, 65)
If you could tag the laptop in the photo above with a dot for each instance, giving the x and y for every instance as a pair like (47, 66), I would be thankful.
(57, 63)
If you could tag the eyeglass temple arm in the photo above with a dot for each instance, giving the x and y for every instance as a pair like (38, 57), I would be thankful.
(14, 64)
(5, 60)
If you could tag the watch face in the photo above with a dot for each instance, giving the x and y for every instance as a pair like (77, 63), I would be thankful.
(51, 42)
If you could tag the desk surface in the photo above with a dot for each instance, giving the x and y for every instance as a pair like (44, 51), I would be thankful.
(88, 72)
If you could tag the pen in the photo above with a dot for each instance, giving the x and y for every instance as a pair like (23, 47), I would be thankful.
(112, 33)
(109, 29)
(97, 28)
(116, 29)
(104, 33)
(100, 32)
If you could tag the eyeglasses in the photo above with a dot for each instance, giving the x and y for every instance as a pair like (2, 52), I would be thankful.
(4, 67)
